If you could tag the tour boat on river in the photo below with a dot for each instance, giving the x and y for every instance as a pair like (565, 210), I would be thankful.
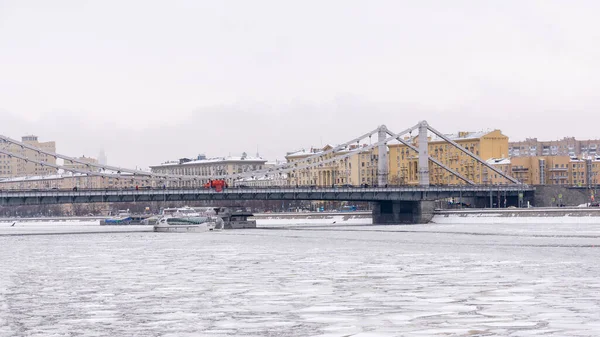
(187, 219)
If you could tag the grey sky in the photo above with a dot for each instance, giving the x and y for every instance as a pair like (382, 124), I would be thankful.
(155, 80)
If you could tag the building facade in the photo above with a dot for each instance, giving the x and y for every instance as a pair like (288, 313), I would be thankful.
(207, 167)
(68, 181)
(555, 170)
(493, 178)
(403, 161)
(82, 167)
(14, 167)
(568, 146)
(359, 168)
(264, 181)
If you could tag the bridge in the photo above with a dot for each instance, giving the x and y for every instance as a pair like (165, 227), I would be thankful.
(414, 202)
(409, 204)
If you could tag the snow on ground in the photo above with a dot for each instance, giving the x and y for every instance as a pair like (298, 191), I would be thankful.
(325, 220)
(48, 227)
(497, 218)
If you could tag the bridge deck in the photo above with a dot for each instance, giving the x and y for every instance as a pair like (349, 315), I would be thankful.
(9, 198)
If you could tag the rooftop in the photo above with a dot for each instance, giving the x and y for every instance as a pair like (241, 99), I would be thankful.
(316, 150)
(228, 159)
(498, 161)
(464, 135)
(264, 178)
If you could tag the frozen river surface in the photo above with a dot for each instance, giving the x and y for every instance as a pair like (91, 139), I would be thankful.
(429, 280)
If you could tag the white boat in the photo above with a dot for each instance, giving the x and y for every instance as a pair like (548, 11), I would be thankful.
(187, 219)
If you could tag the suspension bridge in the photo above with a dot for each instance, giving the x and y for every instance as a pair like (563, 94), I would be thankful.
(392, 204)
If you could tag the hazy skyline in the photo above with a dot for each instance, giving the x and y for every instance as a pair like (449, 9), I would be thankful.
(151, 81)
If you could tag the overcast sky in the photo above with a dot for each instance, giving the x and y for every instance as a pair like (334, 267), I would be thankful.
(150, 81)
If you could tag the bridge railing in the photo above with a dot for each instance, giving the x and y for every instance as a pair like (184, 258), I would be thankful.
(268, 189)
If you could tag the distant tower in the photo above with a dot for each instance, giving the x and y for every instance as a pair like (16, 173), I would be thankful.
(102, 158)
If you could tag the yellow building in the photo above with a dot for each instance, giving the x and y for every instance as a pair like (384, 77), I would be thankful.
(526, 170)
(14, 167)
(403, 162)
(584, 171)
(358, 169)
(493, 178)
(542, 170)
(554, 170)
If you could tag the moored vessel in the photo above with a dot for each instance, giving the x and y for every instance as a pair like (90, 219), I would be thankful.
(122, 218)
(187, 219)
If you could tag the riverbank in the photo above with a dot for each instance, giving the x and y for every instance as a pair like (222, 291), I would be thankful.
(54, 219)
(487, 216)
(528, 215)
(313, 218)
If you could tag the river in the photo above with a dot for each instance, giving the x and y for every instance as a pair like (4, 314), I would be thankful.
(422, 280)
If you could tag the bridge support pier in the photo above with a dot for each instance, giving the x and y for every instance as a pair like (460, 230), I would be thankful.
(403, 212)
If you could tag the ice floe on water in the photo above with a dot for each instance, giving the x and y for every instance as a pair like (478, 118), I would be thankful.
(351, 280)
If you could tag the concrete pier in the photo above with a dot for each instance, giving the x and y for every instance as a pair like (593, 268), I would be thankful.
(403, 212)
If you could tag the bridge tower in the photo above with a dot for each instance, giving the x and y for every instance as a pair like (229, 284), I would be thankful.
(382, 152)
(423, 154)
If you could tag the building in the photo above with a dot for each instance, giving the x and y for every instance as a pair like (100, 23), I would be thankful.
(357, 169)
(14, 167)
(207, 167)
(69, 180)
(403, 161)
(554, 170)
(568, 146)
(263, 181)
(501, 164)
(82, 167)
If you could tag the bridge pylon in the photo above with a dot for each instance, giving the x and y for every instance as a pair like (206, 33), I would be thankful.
(382, 153)
(423, 154)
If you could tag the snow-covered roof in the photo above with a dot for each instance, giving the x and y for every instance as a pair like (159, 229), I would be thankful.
(584, 158)
(283, 176)
(464, 135)
(301, 153)
(314, 151)
(228, 159)
(498, 161)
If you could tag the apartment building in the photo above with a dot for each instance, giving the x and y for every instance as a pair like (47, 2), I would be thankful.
(202, 166)
(568, 146)
(70, 180)
(491, 177)
(403, 162)
(554, 170)
(358, 169)
(263, 181)
(14, 167)
(82, 167)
